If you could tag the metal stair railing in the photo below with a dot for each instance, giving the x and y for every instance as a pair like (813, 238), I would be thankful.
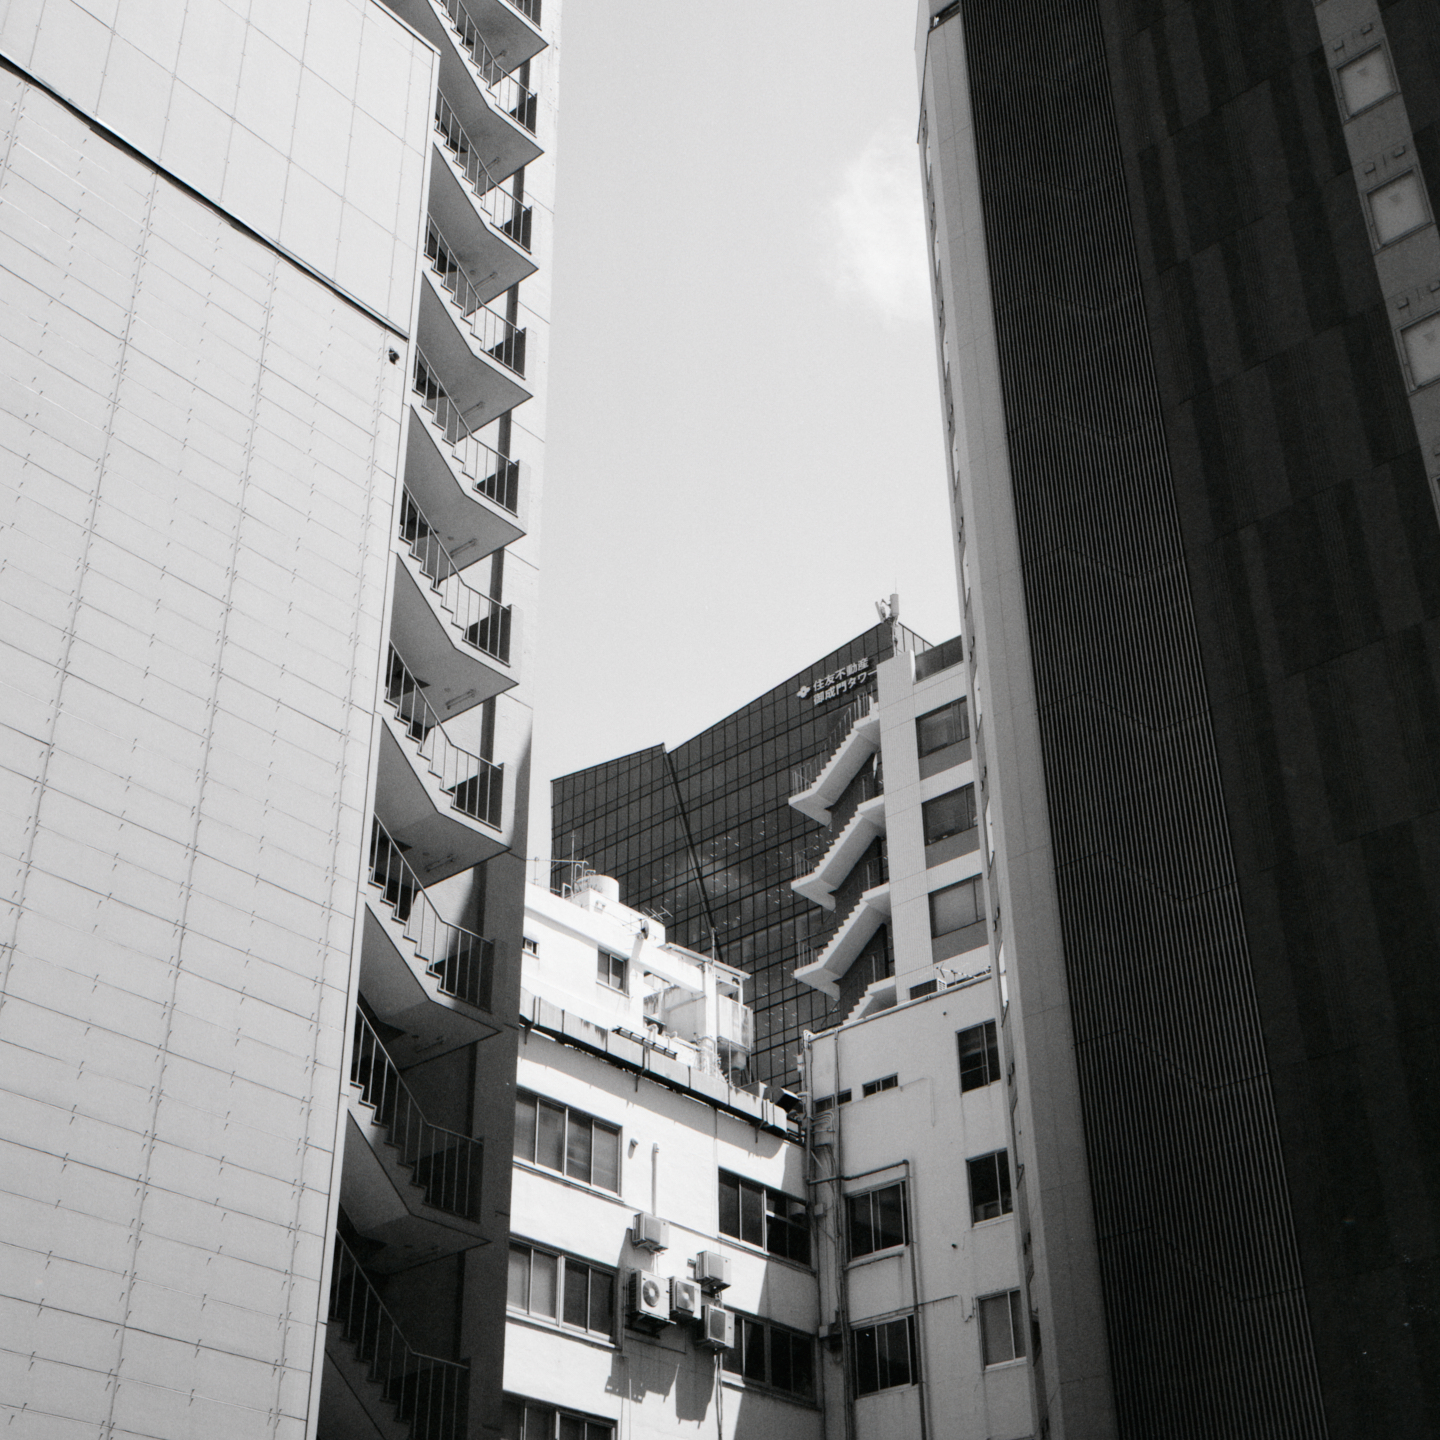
(494, 475)
(511, 216)
(481, 619)
(475, 785)
(458, 960)
(445, 1164)
(516, 100)
(428, 1393)
(500, 339)
(802, 777)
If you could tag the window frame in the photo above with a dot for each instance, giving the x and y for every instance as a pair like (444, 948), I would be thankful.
(989, 1052)
(593, 1427)
(768, 1196)
(604, 972)
(962, 705)
(1004, 1185)
(564, 1263)
(570, 1114)
(857, 1340)
(1015, 1317)
(851, 1228)
(976, 881)
(738, 1373)
(1346, 113)
(968, 803)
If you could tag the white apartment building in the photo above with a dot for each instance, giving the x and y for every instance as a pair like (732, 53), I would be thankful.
(907, 1101)
(272, 315)
(661, 1255)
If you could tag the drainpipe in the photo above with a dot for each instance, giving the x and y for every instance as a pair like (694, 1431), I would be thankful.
(914, 1247)
(655, 1179)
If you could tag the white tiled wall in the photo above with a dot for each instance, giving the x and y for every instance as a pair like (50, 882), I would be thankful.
(197, 449)
(306, 119)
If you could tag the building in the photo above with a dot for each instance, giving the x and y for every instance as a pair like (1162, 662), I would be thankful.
(1185, 274)
(661, 1271)
(907, 1105)
(703, 834)
(271, 315)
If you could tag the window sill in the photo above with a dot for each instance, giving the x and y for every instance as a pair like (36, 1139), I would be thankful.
(745, 1247)
(1014, 1364)
(992, 1220)
(890, 1252)
(732, 1381)
(553, 1327)
(530, 1167)
(888, 1390)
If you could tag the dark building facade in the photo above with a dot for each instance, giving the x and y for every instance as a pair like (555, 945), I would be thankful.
(1188, 293)
(705, 833)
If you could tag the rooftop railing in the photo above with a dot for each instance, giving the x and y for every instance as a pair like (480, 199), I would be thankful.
(501, 208)
(445, 1163)
(939, 657)
(428, 1393)
(494, 475)
(481, 619)
(516, 100)
(475, 785)
(499, 338)
(459, 961)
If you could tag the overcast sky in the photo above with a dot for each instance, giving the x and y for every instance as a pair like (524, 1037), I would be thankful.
(745, 446)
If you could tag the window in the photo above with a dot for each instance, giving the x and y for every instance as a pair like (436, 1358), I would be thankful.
(524, 1420)
(759, 1216)
(979, 1056)
(950, 814)
(566, 1140)
(827, 1102)
(1002, 1328)
(956, 906)
(876, 1220)
(948, 725)
(1422, 350)
(874, 1087)
(885, 1355)
(772, 1355)
(561, 1288)
(1366, 80)
(989, 1186)
(1398, 207)
(612, 970)
(529, 945)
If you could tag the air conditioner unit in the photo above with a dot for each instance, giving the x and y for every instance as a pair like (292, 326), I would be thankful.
(712, 1271)
(648, 1300)
(717, 1328)
(684, 1300)
(650, 1232)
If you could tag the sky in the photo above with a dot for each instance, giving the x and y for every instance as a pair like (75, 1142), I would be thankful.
(744, 447)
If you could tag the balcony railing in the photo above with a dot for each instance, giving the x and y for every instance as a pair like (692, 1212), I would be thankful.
(459, 961)
(507, 214)
(500, 340)
(493, 474)
(802, 777)
(428, 1393)
(475, 785)
(515, 99)
(865, 786)
(445, 1163)
(482, 620)
(530, 9)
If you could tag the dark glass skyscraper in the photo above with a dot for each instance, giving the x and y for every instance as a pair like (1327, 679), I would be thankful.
(706, 833)
(1188, 303)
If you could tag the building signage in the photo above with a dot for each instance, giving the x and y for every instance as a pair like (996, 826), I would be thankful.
(838, 682)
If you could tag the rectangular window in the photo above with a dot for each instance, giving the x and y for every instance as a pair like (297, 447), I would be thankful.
(885, 1355)
(877, 1220)
(763, 1217)
(559, 1138)
(950, 814)
(772, 1355)
(956, 906)
(612, 970)
(1002, 1328)
(874, 1087)
(525, 1420)
(989, 1186)
(948, 725)
(562, 1288)
(1366, 80)
(979, 1056)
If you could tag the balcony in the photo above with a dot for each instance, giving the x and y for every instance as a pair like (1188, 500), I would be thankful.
(482, 76)
(376, 1383)
(460, 188)
(820, 784)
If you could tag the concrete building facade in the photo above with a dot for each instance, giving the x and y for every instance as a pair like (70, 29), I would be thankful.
(1183, 260)
(268, 309)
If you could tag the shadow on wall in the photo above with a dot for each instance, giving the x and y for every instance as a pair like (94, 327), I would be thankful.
(652, 1367)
